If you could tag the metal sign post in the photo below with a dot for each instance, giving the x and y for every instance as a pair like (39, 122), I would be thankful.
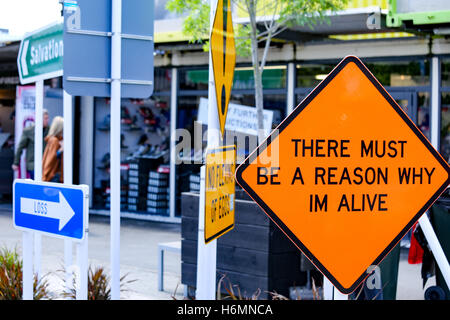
(39, 58)
(118, 64)
(222, 58)
(38, 151)
(68, 141)
(115, 147)
(207, 254)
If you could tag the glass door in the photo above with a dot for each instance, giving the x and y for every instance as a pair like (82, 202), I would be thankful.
(407, 101)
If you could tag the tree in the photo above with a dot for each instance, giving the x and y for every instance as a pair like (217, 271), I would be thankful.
(266, 20)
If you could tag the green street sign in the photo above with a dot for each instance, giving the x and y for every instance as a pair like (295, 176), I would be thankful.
(41, 54)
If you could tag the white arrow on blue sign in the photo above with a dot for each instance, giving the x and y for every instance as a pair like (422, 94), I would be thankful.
(54, 209)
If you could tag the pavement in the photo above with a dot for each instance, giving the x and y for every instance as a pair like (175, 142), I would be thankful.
(139, 258)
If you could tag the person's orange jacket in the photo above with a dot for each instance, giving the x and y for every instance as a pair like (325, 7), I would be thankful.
(51, 164)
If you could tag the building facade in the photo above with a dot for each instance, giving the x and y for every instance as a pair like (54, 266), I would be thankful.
(413, 67)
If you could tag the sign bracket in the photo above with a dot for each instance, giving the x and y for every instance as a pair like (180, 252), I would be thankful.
(109, 34)
(109, 80)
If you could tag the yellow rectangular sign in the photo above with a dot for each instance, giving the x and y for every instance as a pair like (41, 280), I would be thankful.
(219, 191)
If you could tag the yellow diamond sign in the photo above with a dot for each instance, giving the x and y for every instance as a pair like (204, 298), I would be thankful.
(223, 53)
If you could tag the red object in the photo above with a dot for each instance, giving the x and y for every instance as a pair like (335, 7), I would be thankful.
(415, 254)
(163, 169)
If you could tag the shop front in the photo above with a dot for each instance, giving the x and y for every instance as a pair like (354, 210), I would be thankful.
(156, 170)
(8, 81)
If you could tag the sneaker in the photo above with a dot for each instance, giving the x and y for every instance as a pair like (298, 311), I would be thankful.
(125, 115)
(133, 126)
(161, 104)
(106, 123)
(137, 101)
(122, 144)
(105, 161)
(148, 115)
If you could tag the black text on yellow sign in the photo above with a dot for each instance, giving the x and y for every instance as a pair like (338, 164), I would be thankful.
(223, 54)
(219, 191)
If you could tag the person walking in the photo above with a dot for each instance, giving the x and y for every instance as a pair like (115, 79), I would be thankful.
(27, 143)
(52, 161)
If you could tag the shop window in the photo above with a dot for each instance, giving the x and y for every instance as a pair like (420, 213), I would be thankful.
(162, 79)
(396, 73)
(193, 79)
(401, 73)
(423, 113)
(189, 147)
(274, 77)
(445, 126)
(145, 137)
(310, 75)
(445, 72)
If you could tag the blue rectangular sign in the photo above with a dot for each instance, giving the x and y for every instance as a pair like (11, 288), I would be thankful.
(87, 48)
(54, 209)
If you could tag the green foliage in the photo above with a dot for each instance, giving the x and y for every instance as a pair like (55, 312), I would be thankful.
(11, 275)
(285, 13)
(274, 16)
(196, 24)
(307, 12)
(243, 42)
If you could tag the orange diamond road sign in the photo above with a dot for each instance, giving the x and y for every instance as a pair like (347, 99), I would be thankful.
(345, 175)
(223, 53)
(219, 191)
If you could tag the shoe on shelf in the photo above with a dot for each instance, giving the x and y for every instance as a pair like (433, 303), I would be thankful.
(133, 126)
(125, 115)
(148, 115)
(105, 161)
(139, 102)
(106, 123)
(122, 144)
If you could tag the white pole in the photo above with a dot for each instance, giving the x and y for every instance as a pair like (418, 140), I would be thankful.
(327, 289)
(27, 256)
(213, 116)
(38, 134)
(83, 255)
(37, 254)
(115, 147)
(68, 138)
(290, 97)
(207, 254)
(38, 151)
(435, 247)
(86, 142)
(435, 129)
(337, 295)
(68, 177)
(83, 265)
(424, 222)
(173, 128)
